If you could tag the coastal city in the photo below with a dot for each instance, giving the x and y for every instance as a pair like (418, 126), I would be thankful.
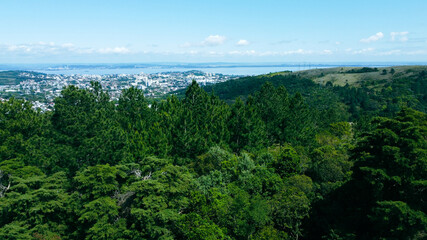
(42, 89)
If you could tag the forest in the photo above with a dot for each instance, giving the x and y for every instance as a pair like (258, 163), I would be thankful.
(265, 157)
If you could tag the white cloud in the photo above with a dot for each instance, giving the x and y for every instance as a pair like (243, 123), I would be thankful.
(19, 48)
(373, 38)
(51, 48)
(40, 47)
(67, 45)
(118, 50)
(417, 52)
(243, 53)
(186, 45)
(399, 36)
(391, 52)
(268, 53)
(299, 51)
(276, 53)
(214, 40)
(399, 52)
(242, 42)
(253, 53)
(210, 41)
(215, 54)
(284, 42)
(365, 50)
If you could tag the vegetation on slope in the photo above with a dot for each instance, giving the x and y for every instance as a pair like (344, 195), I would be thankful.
(278, 164)
(370, 91)
(13, 77)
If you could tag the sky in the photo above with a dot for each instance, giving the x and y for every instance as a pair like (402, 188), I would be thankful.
(131, 31)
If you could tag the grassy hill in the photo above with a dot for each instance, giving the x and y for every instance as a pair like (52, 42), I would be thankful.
(14, 77)
(9, 77)
(303, 81)
(372, 91)
(355, 76)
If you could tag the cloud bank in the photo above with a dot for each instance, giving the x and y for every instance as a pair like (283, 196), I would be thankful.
(51, 48)
(214, 40)
(372, 38)
(242, 42)
(399, 36)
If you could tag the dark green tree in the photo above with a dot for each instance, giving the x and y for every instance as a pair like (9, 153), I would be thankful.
(202, 123)
(247, 130)
(387, 189)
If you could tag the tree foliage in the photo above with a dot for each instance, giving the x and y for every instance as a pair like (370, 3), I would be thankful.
(281, 163)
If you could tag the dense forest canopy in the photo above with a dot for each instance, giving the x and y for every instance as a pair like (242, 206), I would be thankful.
(268, 157)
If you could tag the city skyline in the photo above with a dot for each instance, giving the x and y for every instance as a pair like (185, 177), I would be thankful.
(221, 31)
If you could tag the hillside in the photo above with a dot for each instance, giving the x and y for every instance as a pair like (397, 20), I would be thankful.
(15, 77)
(9, 77)
(302, 81)
(355, 76)
(371, 91)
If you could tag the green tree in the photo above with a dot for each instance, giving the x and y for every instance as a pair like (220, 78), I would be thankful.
(388, 182)
(35, 206)
(287, 162)
(85, 121)
(202, 123)
(247, 130)
(158, 202)
(97, 181)
(290, 208)
(133, 107)
(193, 226)
(288, 119)
(100, 218)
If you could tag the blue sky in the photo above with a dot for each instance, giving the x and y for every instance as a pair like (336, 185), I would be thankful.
(93, 31)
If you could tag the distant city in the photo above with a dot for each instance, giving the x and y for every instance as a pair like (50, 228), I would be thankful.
(42, 89)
